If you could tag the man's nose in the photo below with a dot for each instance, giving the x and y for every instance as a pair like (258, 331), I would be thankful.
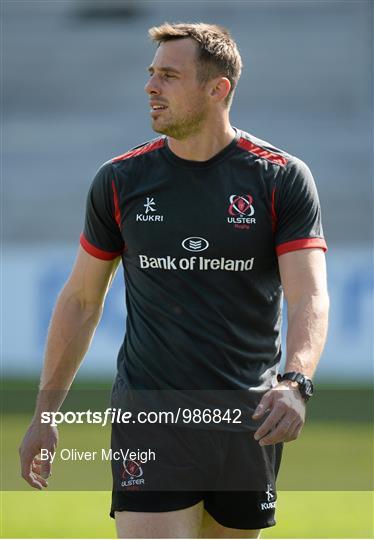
(151, 87)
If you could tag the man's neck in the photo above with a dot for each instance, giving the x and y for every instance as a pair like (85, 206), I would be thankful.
(205, 144)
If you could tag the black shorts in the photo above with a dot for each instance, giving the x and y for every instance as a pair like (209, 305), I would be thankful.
(229, 471)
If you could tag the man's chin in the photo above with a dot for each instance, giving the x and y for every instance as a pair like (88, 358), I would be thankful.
(159, 129)
(175, 131)
(157, 125)
(170, 131)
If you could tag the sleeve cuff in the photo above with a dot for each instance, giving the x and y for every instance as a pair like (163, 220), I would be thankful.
(96, 252)
(303, 243)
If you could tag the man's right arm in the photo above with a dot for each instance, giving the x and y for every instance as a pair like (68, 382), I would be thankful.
(76, 315)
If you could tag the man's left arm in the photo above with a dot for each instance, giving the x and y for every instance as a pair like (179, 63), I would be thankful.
(303, 277)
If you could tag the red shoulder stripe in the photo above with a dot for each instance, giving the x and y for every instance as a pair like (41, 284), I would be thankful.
(142, 150)
(117, 212)
(261, 152)
(273, 212)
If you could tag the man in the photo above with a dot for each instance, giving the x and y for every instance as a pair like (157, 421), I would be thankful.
(211, 224)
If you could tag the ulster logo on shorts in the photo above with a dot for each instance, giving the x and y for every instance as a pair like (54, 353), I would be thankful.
(132, 474)
(241, 211)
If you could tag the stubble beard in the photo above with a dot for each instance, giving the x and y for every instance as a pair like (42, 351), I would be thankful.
(183, 127)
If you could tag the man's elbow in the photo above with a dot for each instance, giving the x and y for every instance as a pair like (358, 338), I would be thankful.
(79, 303)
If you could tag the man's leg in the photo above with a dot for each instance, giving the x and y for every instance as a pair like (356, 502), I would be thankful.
(212, 529)
(185, 523)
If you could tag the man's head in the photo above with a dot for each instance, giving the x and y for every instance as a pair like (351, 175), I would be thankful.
(194, 73)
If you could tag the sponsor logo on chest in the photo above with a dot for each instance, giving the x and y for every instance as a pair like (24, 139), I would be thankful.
(196, 243)
(148, 215)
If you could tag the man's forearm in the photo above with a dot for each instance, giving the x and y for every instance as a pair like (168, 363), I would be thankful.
(306, 333)
(70, 333)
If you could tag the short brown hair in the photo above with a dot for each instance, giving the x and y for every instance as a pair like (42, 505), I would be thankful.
(218, 53)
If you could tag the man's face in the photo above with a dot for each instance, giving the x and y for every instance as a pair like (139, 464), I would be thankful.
(173, 85)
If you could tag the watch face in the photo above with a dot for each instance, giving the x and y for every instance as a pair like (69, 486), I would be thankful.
(308, 387)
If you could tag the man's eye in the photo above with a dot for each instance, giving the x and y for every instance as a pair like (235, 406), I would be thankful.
(164, 75)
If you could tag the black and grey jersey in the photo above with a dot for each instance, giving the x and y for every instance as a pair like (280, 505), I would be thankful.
(199, 242)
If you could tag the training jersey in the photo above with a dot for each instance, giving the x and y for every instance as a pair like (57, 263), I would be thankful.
(199, 242)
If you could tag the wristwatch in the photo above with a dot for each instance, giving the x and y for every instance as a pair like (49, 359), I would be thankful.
(305, 385)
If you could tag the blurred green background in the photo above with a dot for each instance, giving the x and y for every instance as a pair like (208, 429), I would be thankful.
(82, 514)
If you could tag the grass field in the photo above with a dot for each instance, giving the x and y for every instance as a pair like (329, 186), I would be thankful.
(325, 483)
(85, 515)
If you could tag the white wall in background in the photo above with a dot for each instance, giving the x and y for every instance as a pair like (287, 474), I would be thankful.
(32, 278)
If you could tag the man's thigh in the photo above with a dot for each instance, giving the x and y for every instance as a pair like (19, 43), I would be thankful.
(212, 529)
(233, 514)
(184, 523)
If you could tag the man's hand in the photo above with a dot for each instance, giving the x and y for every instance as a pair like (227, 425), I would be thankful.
(34, 470)
(286, 416)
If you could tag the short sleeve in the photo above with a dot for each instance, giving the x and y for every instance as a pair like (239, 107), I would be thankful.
(101, 236)
(296, 211)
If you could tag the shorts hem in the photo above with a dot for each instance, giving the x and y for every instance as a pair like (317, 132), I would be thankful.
(238, 524)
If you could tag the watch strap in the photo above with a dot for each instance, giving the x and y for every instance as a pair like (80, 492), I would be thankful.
(292, 376)
(305, 384)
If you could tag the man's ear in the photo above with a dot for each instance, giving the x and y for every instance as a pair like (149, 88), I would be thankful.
(220, 88)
